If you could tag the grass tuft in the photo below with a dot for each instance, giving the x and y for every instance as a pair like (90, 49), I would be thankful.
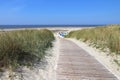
(100, 37)
(23, 47)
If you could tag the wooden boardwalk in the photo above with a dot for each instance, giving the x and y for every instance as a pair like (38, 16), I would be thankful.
(76, 64)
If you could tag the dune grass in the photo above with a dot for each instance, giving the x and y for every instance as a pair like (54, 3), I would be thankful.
(23, 47)
(105, 38)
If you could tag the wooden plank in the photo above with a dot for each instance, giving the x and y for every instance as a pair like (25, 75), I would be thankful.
(76, 64)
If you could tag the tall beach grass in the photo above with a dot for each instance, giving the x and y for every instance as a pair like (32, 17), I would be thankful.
(23, 47)
(100, 37)
(105, 38)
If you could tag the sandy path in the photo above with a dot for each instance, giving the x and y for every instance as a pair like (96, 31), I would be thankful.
(76, 64)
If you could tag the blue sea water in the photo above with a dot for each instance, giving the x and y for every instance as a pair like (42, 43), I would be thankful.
(43, 26)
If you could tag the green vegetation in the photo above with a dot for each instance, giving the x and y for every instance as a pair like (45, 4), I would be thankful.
(117, 62)
(107, 37)
(23, 47)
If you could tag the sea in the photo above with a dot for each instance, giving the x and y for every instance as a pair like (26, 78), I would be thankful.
(43, 26)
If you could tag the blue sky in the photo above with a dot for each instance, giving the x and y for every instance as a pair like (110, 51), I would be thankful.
(59, 12)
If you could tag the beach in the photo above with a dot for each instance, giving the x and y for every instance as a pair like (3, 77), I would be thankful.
(46, 69)
(59, 40)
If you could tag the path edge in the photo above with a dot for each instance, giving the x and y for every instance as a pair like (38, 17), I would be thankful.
(97, 54)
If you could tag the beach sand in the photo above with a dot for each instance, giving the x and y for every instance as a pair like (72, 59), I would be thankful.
(46, 70)
(103, 57)
(50, 28)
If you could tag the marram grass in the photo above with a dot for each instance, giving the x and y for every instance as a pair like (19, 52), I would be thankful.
(23, 47)
(107, 37)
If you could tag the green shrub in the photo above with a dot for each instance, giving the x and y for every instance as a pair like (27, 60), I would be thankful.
(23, 47)
(100, 37)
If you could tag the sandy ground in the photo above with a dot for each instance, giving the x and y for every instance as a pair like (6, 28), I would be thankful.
(102, 57)
(44, 70)
(50, 28)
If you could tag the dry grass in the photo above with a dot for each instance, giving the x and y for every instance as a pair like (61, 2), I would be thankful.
(105, 38)
(23, 47)
(100, 37)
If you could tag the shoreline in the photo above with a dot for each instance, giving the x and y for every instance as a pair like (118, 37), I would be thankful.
(50, 28)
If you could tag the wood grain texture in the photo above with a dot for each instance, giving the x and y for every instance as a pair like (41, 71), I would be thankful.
(76, 64)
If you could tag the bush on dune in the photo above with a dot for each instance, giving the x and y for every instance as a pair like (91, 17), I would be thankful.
(100, 37)
(104, 38)
(24, 47)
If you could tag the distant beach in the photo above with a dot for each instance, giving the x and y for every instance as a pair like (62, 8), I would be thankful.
(44, 26)
(50, 27)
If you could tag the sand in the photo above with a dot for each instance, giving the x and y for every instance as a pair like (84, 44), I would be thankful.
(50, 28)
(102, 57)
(44, 70)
